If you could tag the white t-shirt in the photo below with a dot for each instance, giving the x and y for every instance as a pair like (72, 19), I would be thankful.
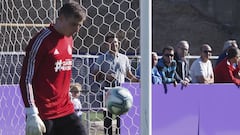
(118, 65)
(200, 68)
(77, 106)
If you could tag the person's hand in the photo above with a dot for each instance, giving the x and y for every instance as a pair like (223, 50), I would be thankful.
(110, 75)
(34, 124)
(175, 83)
(184, 82)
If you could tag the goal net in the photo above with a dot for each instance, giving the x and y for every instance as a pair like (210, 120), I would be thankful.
(22, 19)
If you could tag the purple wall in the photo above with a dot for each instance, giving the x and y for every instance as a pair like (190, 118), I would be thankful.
(195, 110)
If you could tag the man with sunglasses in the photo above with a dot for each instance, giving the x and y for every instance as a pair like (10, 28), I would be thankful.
(201, 69)
(167, 66)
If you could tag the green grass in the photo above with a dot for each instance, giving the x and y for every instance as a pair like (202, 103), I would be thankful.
(95, 116)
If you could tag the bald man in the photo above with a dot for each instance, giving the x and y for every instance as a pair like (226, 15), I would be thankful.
(201, 70)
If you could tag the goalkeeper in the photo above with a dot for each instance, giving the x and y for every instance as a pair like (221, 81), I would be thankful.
(46, 74)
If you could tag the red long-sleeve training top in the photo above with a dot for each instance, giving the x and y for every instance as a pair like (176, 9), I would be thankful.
(46, 74)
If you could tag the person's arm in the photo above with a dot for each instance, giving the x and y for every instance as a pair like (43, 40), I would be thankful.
(129, 73)
(202, 79)
(165, 79)
(99, 74)
(34, 124)
(132, 77)
(211, 80)
(156, 80)
(156, 77)
(177, 77)
(199, 73)
(232, 75)
(188, 77)
(180, 80)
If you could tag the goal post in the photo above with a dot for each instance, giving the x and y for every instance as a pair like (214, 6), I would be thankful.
(20, 20)
(146, 63)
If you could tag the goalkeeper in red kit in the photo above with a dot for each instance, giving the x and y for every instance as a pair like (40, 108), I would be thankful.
(46, 73)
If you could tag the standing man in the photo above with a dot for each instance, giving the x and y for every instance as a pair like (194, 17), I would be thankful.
(182, 49)
(201, 69)
(46, 74)
(111, 69)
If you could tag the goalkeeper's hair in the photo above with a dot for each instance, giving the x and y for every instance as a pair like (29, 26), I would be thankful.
(72, 9)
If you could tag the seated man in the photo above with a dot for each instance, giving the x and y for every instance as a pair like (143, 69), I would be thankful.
(226, 71)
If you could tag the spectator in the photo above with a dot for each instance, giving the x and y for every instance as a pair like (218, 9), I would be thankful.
(182, 49)
(156, 77)
(111, 69)
(228, 44)
(46, 74)
(167, 66)
(75, 89)
(201, 69)
(226, 71)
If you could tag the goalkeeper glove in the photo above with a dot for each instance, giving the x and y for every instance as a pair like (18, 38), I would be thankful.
(34, 124)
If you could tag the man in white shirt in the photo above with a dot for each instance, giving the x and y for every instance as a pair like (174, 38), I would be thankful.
(201, 70)
(111, 69)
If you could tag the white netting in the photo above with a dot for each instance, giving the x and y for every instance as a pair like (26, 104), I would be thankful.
(22, 19)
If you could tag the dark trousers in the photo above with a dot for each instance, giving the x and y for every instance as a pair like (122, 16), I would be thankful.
(67, 125)
(108, 123)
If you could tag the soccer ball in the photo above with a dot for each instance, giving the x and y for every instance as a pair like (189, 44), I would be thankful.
(118, 100)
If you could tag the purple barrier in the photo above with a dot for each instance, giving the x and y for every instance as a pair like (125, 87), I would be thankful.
(195, 110)
(12, 116)
(130, 122)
